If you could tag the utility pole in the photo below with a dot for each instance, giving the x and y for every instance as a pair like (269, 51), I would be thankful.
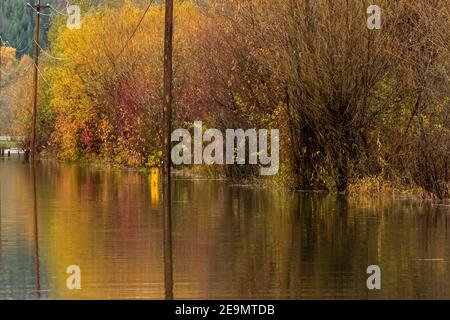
(1, 47)
(168, 83)
(167, 132)
(37, 6)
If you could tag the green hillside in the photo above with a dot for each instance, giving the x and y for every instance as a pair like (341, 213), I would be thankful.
(17, 25)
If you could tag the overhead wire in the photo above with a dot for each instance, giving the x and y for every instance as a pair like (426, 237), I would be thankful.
(134, 31)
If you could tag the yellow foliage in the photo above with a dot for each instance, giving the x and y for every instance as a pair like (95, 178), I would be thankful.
(105, 80)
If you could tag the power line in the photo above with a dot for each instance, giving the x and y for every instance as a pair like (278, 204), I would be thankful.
(42, 76)
(19, 71)
(48, 54)
(57, 11)
(40, 13)
(135, 30)
(8, 44)
(5, 42)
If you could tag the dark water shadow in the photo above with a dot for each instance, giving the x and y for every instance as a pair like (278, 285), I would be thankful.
(36, 232)
(168, 247)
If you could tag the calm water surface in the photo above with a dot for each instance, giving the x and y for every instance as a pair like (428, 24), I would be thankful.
(228, 242)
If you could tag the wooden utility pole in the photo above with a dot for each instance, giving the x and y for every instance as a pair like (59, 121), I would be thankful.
(37, 6)
(1, 47)
(167, 132)
(168, 83)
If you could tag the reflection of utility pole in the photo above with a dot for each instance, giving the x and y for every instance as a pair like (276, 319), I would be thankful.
(37, 7)
(168, 252)
(37, 269)
(1, 175)
(167, 131)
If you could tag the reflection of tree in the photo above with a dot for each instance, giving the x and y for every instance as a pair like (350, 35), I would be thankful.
(228, 242)
(106, 228)
(18, 260)
(259, 244)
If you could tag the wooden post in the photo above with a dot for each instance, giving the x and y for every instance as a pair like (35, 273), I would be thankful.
(1, 47)
(168, 83)
(166, 143)
(37, 6)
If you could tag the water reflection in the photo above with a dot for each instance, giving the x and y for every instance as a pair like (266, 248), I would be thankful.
(1, 251)
(168, 252)
(37, 270)
(153, 183)
(221, 241)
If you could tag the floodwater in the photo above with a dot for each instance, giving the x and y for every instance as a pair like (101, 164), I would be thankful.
(226, 242)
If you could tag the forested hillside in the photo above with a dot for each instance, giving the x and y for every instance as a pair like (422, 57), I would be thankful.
(17, 25)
